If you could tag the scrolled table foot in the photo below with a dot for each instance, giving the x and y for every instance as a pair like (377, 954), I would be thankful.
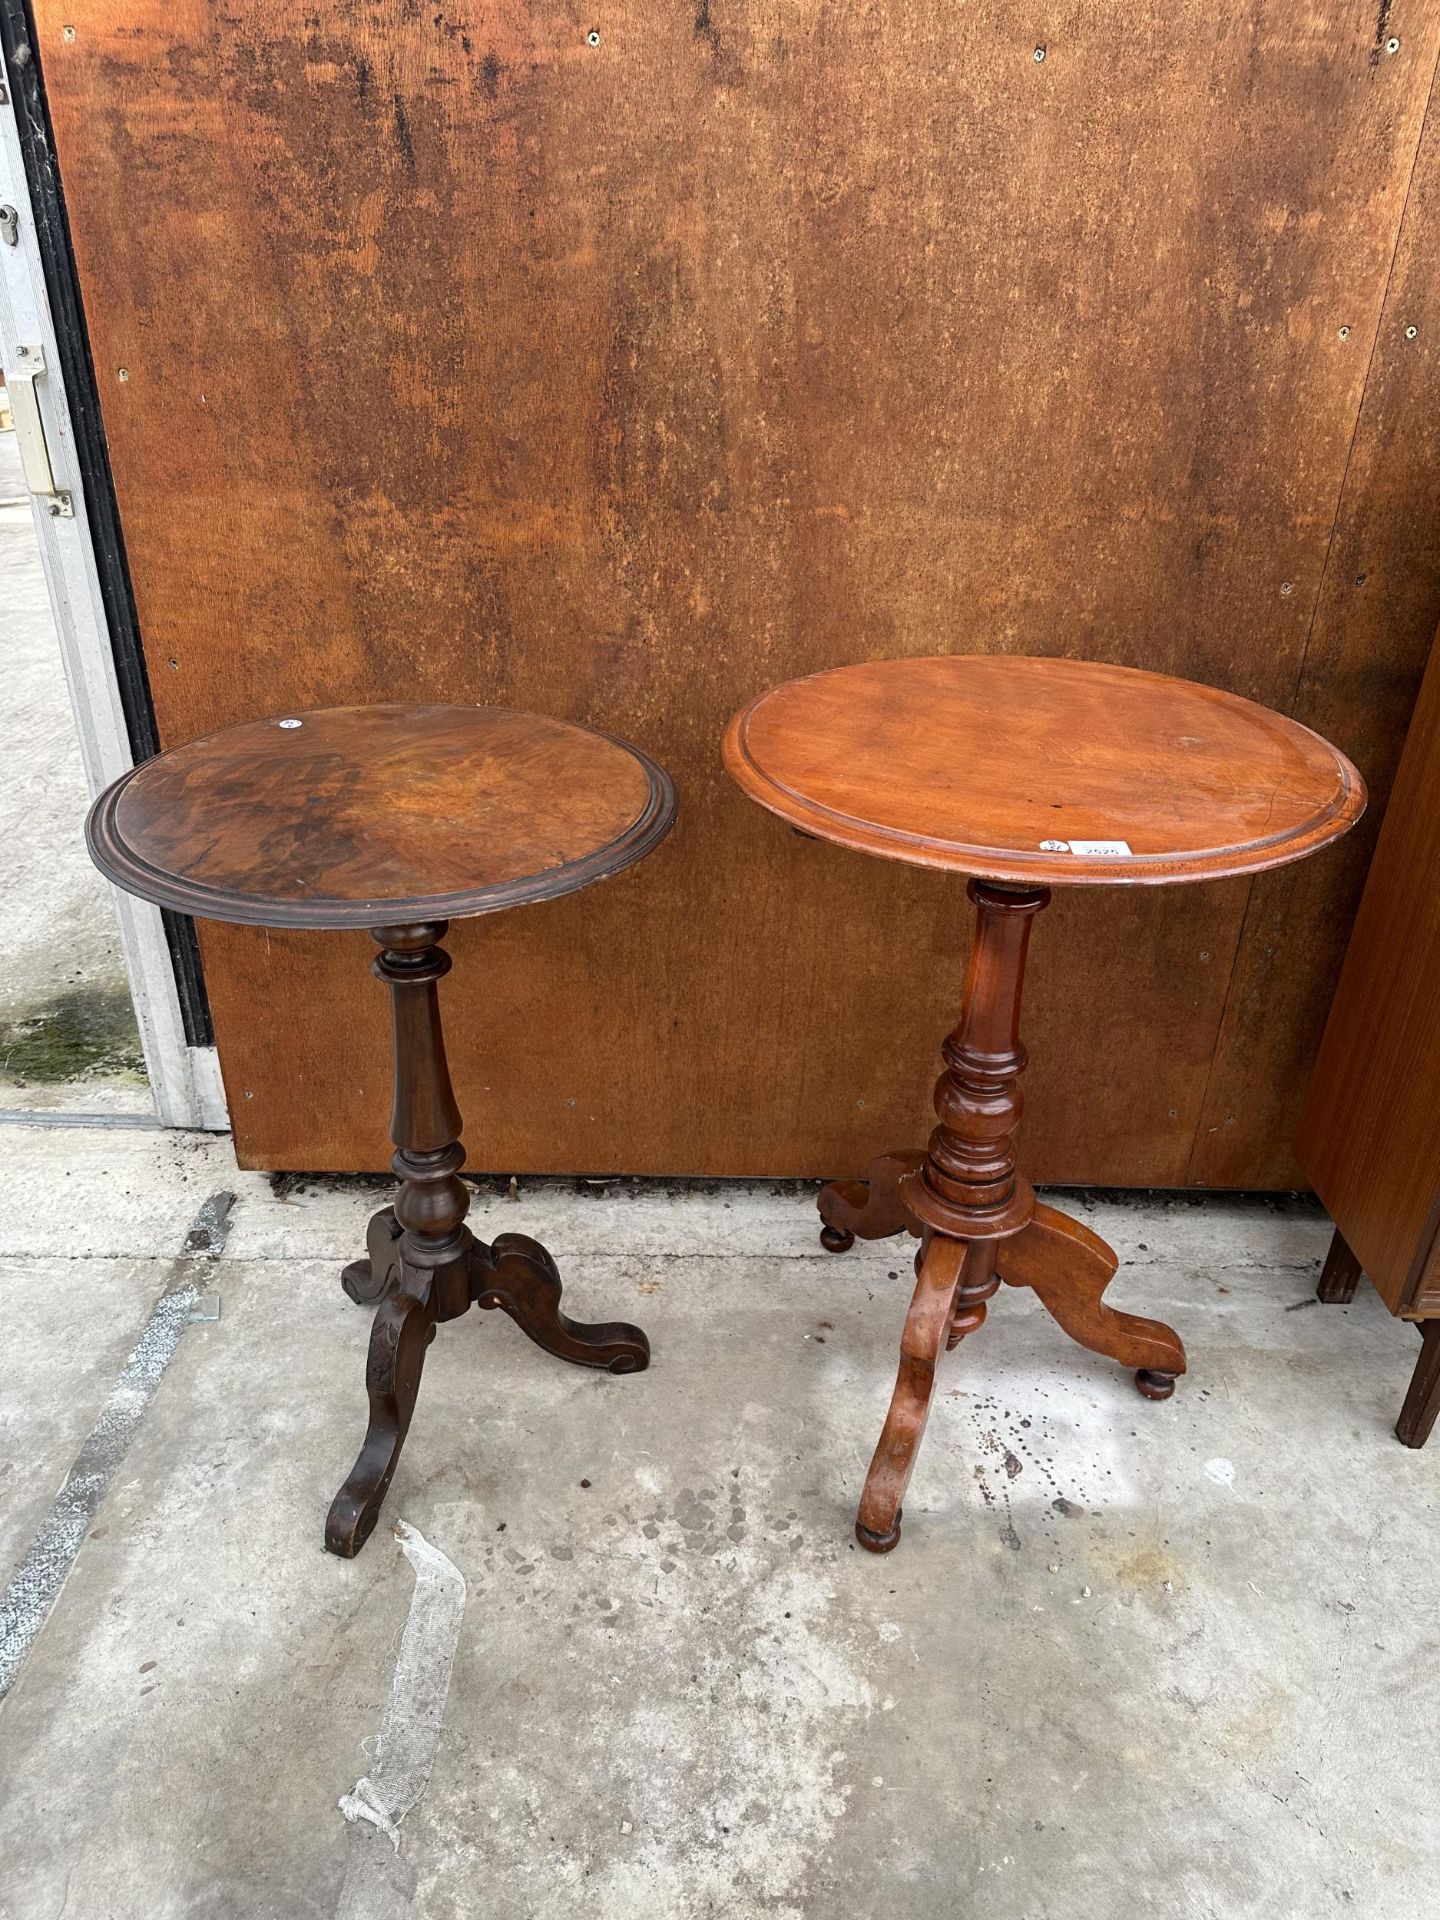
(927, 1326)
(872, 1207)
(402, 1331)
(370, 1280)
(520, 1277)
(1069, 1267)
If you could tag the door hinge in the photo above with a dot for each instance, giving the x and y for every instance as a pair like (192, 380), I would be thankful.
(9, 226)
(30, 432)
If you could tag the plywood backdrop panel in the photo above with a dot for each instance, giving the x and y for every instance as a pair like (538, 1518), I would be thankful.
(466, 359)
(1378, 606)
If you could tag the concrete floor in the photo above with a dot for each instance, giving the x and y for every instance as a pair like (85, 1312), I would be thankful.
(1128, 1658)
(67, 1029)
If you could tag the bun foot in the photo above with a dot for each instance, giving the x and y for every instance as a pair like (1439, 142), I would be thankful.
(1155, 1386)
(880, 1542)
(836, 1239)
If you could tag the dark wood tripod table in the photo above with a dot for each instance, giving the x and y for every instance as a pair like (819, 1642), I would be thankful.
(1023, 774)
(397, 819)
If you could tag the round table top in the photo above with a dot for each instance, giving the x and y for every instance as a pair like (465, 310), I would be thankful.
(379, 816)
(1042, 772)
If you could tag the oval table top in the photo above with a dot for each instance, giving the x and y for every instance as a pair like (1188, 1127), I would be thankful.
(1042, 772)
(376, 816)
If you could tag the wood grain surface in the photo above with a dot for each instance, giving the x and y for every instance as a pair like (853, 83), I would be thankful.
(445, 354)
(366, 816)
(1369, 1141)
(1042, 772)
(1375, 614)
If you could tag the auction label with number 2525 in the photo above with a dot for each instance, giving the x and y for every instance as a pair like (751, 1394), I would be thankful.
(1113, 849)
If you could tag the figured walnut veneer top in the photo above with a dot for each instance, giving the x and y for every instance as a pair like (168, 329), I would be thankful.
(367, 816)
(973, 762)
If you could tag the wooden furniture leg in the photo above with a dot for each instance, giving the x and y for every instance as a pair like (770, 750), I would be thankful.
(978, 1215)
(965, 1194)
(939, 1266)
(1338, 1280)
(423, 1264)
(871, 1207)
(404, 1327)
(378, 1274)
(1422, 1402)
(421, 1274)
(518, 1275)
(1341, 1273)
(1069, 1267)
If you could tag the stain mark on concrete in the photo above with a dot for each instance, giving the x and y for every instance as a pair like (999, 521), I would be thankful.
(1022, 1433)
(991, 1443)
(81, 1034)
(1148, 1568)
(36, 1583)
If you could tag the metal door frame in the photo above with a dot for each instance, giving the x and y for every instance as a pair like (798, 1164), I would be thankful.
(84, 566)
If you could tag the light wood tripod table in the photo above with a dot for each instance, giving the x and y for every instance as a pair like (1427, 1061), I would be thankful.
(1022, 774)
(398, 819)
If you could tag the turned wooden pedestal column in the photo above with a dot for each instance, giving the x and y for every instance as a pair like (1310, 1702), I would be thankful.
(977, 1215)
(1025, 775)
(396, 819)
(423, 1264)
